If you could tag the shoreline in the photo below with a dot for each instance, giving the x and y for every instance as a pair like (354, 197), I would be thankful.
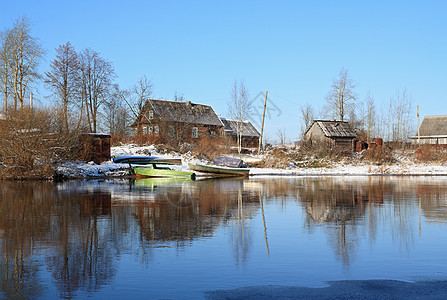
(110, 170)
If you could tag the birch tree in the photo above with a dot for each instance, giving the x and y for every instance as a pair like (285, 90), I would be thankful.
(341, 97)
(307, 116)
(400, 116)
(239, 108)
(5, 66)
(370, 117)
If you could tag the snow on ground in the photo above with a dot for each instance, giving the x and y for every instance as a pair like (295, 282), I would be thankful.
(403, 166)
(83, 170)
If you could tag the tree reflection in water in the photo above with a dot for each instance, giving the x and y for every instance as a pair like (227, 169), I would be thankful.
(82, 229)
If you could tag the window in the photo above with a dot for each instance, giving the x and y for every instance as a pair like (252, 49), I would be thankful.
(171, 131)
(195, 132)
(213, 133)
(151, 129)
(144, 129)
(151, 115)
(156, 130)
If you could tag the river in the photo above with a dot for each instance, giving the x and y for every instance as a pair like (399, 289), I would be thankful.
(185, 239)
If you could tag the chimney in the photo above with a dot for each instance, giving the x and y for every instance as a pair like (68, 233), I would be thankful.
(188, 103)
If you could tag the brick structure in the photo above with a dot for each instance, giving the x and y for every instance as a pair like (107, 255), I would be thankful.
(95, 147)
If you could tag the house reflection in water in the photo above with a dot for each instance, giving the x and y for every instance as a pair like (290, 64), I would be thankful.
(185, 211)
(81, 229)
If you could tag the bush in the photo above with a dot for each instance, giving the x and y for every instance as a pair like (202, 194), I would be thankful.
(31, 141)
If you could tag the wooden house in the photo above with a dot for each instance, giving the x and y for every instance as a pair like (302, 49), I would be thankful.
(433, 131)
(338, 134)
(177, 122)
(250, 136)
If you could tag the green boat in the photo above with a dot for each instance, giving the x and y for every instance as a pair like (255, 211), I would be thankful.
(155, 171)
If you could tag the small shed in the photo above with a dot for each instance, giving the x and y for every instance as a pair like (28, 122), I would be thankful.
(95, 147)
(250, 136)
(433, 131)
(337, 134)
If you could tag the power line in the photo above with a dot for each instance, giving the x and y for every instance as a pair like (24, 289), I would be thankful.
(285, 99)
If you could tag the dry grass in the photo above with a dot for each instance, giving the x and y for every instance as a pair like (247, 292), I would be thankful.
(280, 157)
(428, 153)
(209, 147)
(378, 155)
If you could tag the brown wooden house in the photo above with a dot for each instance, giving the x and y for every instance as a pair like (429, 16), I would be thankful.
(177, 122)
(337, 134)
(250, 136)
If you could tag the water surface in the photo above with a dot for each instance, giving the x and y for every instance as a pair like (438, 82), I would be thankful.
(164, 239)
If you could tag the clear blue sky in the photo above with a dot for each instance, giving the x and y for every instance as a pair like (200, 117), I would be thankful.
(293, 49)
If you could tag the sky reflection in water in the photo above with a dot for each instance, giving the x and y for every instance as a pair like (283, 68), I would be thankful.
(164, 239)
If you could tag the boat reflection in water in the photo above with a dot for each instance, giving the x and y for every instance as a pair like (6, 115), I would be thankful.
(79, 231)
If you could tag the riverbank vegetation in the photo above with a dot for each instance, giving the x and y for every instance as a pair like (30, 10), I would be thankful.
(32, 143)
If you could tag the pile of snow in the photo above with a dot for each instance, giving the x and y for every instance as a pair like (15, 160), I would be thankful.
(92, 170)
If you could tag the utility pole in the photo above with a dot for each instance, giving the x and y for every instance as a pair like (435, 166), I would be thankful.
(262, 126)
(419, 132)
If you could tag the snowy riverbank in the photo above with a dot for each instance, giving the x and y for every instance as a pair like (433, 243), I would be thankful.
(403, 165)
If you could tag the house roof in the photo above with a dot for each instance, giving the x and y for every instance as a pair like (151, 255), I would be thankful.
(333, 128)
(184, 112)
(433, 126)
(248, 129)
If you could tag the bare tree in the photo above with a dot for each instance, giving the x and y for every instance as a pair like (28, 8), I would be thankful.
(400, 116)
(25, 55)
(341, 96)
(136, 97)
(142, 91)
(307, 116)
(64, 78)
(239, 107)
(5, 65)
(179, 97)
(97, 75)
(370, 117)
(116, 114)
(281, 136)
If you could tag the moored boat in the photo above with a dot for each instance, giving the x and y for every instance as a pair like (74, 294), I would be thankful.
(156, 171)
(144, 160)
(219, 170)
